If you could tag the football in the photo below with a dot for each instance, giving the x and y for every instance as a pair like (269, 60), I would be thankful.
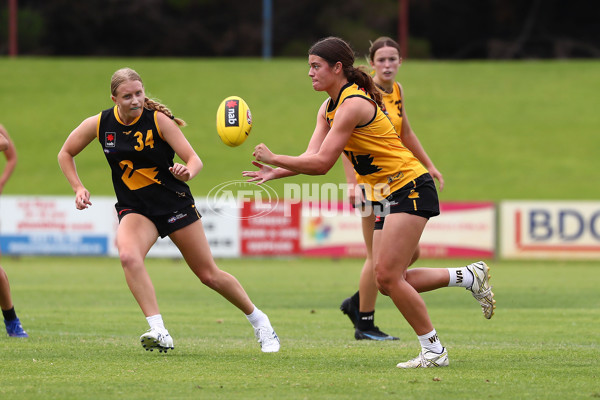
(234, 121)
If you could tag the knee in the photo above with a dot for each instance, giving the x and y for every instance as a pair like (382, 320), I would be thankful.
(384, 280)
(208, 278)
(130, 259)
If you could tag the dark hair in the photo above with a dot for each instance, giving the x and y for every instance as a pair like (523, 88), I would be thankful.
(333, 50)
(127, 74)
(380, 42)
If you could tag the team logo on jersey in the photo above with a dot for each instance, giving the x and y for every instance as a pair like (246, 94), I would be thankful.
(395, 177)
(138, 178)
(110, 139)
(363, 163)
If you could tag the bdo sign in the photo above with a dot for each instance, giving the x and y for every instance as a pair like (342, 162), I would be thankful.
(550, 229)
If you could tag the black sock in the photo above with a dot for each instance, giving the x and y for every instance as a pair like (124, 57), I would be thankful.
(366, 321)
(9, 315)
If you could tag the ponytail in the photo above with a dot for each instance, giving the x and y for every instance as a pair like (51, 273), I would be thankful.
(154, 105)
(364, 80)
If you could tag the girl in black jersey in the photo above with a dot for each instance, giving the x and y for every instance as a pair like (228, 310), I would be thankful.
(11, 321)
(140, 137)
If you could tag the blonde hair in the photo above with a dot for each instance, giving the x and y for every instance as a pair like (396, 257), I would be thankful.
(127, 74)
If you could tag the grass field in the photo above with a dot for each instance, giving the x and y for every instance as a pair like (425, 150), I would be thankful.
(503, 130)
(496, 130)
(543, 342)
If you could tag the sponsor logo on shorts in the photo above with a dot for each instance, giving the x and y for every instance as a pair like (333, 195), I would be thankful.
(413, 194)
(176, 218)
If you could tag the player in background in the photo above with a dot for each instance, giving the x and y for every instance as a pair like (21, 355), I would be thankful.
(13, 325)
(402, 192)
(140, 137)
(385, 60)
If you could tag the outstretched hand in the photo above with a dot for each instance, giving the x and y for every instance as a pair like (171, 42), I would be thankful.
(262, 153)
(262, 175)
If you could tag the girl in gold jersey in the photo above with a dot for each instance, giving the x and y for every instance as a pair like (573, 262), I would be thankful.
(384, 57)
(403, 212)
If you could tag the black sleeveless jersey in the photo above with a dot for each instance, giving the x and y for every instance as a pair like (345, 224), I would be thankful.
(139, 159)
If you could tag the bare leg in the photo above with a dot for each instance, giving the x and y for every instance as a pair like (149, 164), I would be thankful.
(194, 247)
(393, 248)
(5, 299)
(135, 237)
(426, 279)
(367, 286)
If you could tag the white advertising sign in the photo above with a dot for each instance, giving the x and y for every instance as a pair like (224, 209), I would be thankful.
(550, 229)
(332, 230)
(222, 227)
(51, 225)
(463, 230)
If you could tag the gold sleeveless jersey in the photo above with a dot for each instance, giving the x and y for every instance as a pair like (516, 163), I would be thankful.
(382, 163)
(393, 107)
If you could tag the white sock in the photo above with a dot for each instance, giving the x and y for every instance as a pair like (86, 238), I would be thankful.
(258, 318)
(431, 342)
(156, 321)
(460, 277)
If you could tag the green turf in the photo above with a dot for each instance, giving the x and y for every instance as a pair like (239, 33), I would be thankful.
(543, 342)
(497, 130)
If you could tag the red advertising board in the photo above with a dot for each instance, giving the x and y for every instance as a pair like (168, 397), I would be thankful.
(272, 233)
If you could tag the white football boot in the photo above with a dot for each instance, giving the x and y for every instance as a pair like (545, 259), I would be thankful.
(269, 342)
(427, 359)
(481, 289)
(156, 338)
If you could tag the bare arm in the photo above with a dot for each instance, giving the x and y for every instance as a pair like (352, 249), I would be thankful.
(353, 112)
(182, 147)
(10, 152)
(266, 173)
(81, 136)
(411, 141)
(3, 140)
